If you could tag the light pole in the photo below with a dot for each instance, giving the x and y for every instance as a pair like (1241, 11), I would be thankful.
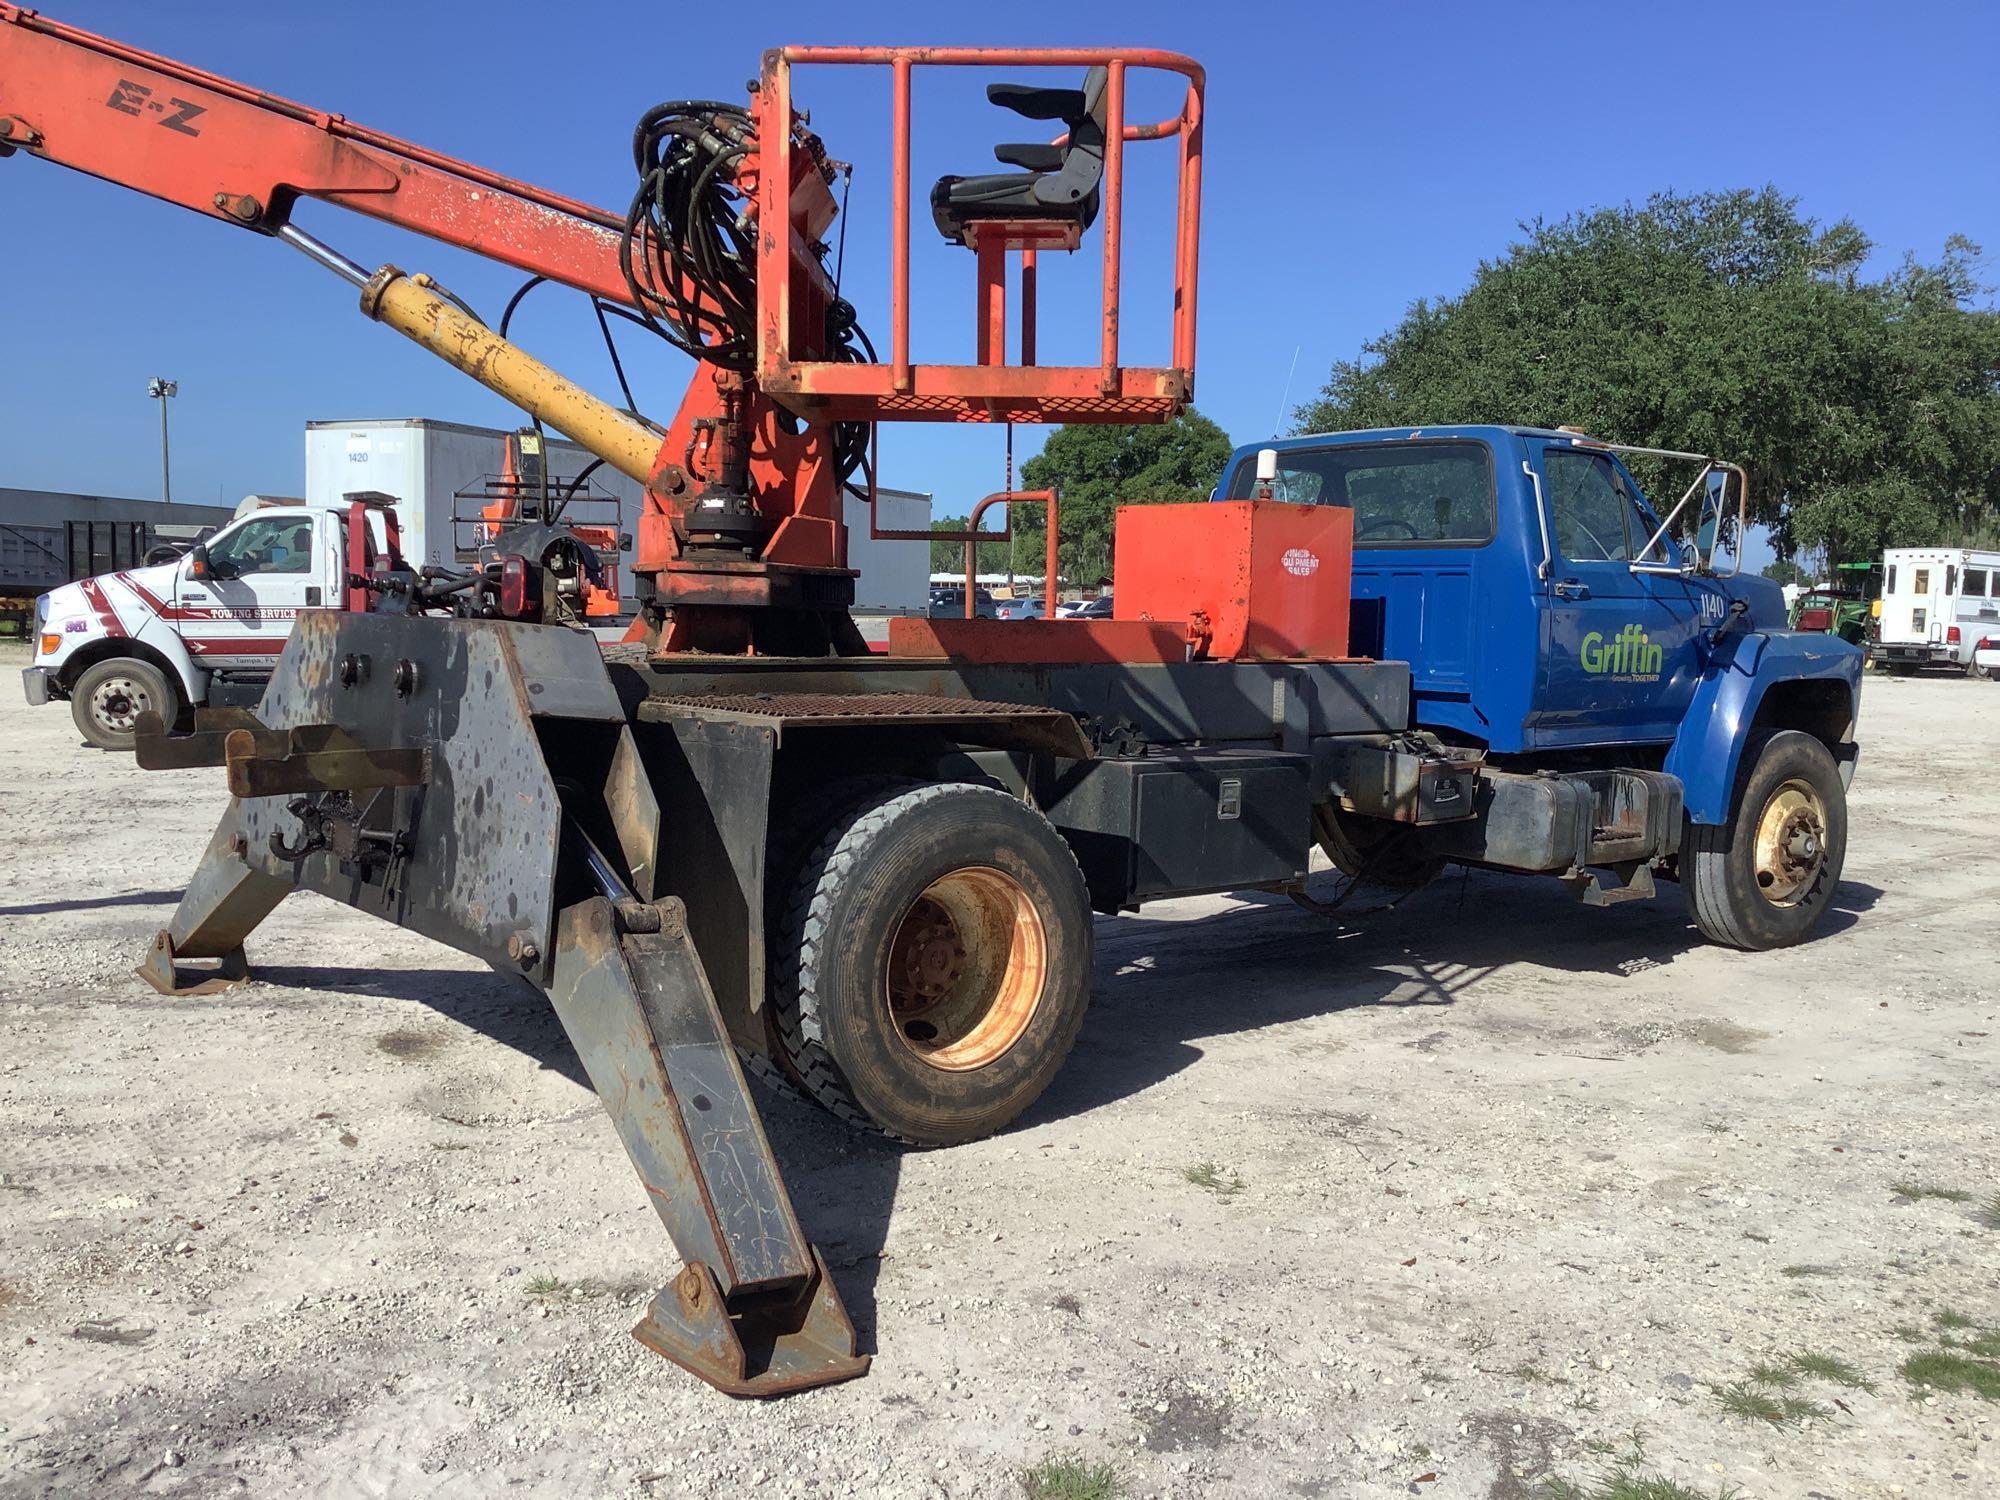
(161, 389)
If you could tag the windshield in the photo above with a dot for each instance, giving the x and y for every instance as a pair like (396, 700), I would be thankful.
(1402, 493)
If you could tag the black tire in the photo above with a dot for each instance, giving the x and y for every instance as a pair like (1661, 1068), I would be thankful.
(1736, 902)
(944, 1050)
(795, 830)
(110, 695)
(1984, 674)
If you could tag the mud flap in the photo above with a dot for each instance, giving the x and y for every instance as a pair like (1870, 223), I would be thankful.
(754, 1312)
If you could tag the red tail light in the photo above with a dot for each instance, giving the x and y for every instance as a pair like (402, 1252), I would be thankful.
(1951, 636)
(520, 588)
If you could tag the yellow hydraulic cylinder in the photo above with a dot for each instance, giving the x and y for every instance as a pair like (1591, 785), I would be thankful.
(413, 307)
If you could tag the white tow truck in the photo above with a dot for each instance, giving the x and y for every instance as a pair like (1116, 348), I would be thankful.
(205, 628)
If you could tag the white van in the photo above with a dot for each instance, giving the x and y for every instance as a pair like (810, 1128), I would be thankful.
(1937, 604)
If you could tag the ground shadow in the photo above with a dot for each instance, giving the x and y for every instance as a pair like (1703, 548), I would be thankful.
(93, 903)
(1266, 962)
(1162, 984)
(842, 1184)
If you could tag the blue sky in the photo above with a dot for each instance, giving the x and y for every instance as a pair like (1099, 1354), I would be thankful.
(1359, 157)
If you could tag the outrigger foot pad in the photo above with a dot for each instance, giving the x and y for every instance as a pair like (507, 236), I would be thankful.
(162, 970)
(766, 1345)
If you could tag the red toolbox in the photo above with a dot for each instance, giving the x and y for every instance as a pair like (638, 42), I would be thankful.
(1256, 580)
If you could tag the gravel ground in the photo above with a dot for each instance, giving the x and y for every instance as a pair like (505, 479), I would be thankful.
(1502, 1186)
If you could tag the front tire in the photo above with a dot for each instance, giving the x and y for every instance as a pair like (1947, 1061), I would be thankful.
(933, 962)
(110, 695)
(1766, 878)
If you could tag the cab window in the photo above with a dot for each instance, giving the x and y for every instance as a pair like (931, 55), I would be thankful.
(274, 544)
(1589, 507)
(1403, 494)
(1975, 582)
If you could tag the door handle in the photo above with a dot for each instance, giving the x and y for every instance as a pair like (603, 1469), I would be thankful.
(1569, 588)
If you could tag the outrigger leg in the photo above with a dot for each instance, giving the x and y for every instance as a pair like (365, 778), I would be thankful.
(754, 1313)
(424, 790)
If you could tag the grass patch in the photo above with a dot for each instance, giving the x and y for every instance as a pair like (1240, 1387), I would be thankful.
(1827, 1367)
(1627, 1482)
(1795, 1272)
(1949, 1370)
(1066, 1477)
(1743, 1399)
(1988, 1212)
(1950, 1319)
(1985, 1344)
(1916, 1192)
(1751, 1234)
(546, 1286)
(1779, 1376)
(1210, 1177)
(1625, 1478)
(1909, 1333)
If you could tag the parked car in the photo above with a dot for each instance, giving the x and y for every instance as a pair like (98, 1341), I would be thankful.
(1086, 609)
(948, 602)
(1021, 609)
(1986, 657)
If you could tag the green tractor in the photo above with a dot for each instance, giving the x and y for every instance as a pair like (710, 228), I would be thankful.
(1847, 606)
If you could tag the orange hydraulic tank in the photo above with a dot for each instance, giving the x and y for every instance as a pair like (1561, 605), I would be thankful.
(1255, 580)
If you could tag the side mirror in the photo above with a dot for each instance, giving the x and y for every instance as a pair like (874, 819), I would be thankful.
(198, 562)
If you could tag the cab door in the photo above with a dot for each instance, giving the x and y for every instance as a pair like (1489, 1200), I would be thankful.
(261, 573)
(1617, 646)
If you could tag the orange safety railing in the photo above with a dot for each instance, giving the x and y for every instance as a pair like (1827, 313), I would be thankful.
(972, 536)
(788, 368)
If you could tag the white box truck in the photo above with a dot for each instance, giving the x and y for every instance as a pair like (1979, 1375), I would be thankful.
(1938, 604)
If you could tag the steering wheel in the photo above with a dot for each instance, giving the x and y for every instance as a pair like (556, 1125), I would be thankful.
(1373, 525)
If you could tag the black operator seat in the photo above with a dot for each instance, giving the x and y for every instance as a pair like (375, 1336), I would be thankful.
(1059, 183)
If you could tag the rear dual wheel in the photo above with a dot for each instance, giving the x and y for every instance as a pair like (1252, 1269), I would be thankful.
(932, 962)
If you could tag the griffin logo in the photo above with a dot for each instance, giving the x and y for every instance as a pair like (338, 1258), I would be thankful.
(1630, 653)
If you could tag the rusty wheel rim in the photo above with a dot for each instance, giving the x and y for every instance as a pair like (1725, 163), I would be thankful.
(117, 703)
(968, 969)
(1791, 844)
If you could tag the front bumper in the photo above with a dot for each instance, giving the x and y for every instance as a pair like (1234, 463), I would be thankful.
(1924, 652)
(35, 683)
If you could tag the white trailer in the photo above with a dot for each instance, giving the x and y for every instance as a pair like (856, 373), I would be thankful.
(1938, 604)
(895, 576)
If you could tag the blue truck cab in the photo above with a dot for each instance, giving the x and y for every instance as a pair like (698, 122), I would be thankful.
(1557, 620)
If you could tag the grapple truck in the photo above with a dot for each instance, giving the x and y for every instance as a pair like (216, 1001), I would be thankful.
(745, 840)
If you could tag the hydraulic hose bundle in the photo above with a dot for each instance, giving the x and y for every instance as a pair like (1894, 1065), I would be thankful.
(689, 252)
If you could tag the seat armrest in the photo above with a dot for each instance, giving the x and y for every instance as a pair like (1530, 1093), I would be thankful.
(1031, 157)
(1038, 103)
